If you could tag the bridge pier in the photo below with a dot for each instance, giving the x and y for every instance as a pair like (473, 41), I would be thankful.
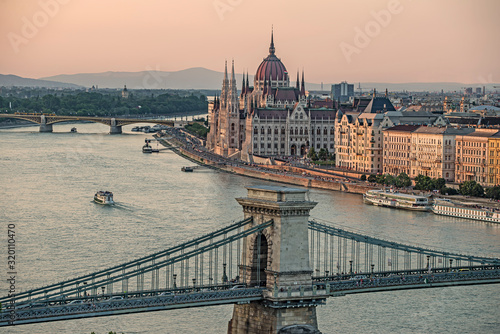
(278, 258)
(45, 127)
(115, 129)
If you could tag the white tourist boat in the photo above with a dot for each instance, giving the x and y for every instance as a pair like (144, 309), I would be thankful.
(104, 197)
(397, 200)
(465, 210)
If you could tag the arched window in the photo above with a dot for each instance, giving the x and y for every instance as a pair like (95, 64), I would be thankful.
(325, 131)
(291, 131)
(269, 130)
(262, 131)
(301, 131)
(332, 130)
(275, 130)
(296, 130)
(306, 132)
(255, 131)
(282, 130)
(232, 126)
(318, 131)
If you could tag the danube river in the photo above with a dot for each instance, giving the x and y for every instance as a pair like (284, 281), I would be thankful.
(48, 181)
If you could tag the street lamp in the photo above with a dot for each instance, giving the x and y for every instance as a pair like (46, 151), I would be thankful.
(194, 282)
(175, 281)
(451, 262)
(373, 266)
(103, 288)
(350, 266)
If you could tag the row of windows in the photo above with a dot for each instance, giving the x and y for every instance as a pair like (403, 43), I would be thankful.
(293, 131)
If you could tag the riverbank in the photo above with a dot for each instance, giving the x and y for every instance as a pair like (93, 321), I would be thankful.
(285, 174)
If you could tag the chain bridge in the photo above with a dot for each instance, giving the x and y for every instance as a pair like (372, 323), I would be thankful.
(115, 124)
(275, 265)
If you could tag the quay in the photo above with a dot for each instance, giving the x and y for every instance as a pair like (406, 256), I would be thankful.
(294, 175)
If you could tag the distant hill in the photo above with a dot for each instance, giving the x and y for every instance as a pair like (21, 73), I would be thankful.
(202, 78)
(8, 80)
(191, 78)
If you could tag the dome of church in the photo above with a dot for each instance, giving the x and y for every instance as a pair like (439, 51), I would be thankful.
(271, 68)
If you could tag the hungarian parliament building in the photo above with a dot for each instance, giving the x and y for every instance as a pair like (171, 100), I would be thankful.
(270, 118)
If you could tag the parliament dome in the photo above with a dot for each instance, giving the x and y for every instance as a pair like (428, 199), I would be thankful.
(271, 68)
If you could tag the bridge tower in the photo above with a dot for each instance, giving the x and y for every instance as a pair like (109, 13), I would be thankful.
(277, 258)
(115, 129)
(44, 127)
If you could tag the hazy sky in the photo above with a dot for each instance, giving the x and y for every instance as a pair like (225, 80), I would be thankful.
(333, 40)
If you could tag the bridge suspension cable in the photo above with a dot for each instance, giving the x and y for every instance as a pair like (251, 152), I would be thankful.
(204, 251)
(337, 251)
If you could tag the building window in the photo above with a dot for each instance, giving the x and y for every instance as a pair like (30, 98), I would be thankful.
(255, 131)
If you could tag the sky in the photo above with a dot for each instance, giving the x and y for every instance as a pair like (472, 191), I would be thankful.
(332, 40)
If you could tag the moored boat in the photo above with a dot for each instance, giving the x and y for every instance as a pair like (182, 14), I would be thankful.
(396, 200)
(465, 210)
(187, 169)
(104, 197)
(73, 129)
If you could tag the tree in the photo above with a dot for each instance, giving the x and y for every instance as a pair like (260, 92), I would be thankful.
(389, 180)
(372, 178)
(312, 154)
(363, 177)
(493, 192)
(471, 188)
(403, 180)
(380, 178)
(448, 191)
(323, 154)
(439, 183)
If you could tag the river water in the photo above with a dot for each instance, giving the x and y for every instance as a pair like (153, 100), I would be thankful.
(47, 184)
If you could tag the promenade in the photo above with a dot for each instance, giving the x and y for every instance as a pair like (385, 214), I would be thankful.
(291, 172)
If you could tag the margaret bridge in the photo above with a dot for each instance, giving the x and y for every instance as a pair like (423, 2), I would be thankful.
(262, 264)
(115, 124)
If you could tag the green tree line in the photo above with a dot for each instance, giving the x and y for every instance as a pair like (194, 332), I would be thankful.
(93, 103)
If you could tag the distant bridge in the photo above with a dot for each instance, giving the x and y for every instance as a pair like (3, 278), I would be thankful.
(274, 263)
(115, 124)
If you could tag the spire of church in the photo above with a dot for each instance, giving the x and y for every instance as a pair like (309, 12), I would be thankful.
(298, 87)
(225, 84)
(233, 90)
(233, 79)
(374, 93)
(247, 82)
(386, 93)
(303, 86)
(243, 88)
(271, 47)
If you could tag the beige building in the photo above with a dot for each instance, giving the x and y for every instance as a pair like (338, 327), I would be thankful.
(433, 151)
(397, 147)
(494, 160)
(472, 154)
(359, 135)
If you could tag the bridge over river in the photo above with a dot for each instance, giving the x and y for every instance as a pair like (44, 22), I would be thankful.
(115, 124)
(275, 265)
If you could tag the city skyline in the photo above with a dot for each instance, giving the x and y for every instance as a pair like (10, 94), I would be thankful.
(385, 41)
